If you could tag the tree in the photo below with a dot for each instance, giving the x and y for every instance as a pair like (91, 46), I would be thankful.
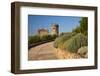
(83, 27)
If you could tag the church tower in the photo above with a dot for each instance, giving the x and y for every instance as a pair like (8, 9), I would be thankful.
(55, 29)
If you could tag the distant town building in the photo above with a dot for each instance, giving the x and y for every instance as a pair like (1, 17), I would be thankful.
(43, 32)
(55, 29)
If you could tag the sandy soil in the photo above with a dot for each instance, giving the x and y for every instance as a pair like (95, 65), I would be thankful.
(44, 51)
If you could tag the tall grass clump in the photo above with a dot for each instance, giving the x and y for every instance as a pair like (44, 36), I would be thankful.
(58, 43)
(74, 43)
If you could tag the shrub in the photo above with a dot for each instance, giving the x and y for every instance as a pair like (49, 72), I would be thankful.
(53, 37)
(83, 26)
(44, 38)
(48, 37)
(75, 43)
(37, 38)
(34, 39)
(83, 51)
(58, 43)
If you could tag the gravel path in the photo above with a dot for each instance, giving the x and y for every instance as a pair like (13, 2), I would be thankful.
(44, 51)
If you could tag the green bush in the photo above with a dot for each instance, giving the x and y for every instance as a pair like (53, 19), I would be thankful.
(48, 37)
(37, 38)
(34, 39)
(74, 43)
(44, 38)
(54, 36)
(83, 51)
(83, 26)
(58, 43)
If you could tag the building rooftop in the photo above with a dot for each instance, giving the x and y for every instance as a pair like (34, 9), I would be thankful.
(42, 29)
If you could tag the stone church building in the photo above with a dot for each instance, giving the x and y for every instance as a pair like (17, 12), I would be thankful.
(54, 30)
(43, 32)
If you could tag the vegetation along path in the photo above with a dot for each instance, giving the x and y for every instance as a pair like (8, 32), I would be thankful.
(44, 51)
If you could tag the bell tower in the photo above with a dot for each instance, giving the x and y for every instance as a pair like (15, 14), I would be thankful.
(55, 29)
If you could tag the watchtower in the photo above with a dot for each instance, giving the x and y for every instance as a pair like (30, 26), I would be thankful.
(55, 29)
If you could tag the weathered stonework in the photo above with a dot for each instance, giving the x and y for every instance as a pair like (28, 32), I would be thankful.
(43, 32)
(53, 31)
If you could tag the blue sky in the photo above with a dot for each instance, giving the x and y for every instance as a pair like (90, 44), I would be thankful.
(66, 23)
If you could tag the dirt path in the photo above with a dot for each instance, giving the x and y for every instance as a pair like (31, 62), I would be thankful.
(44, 51)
